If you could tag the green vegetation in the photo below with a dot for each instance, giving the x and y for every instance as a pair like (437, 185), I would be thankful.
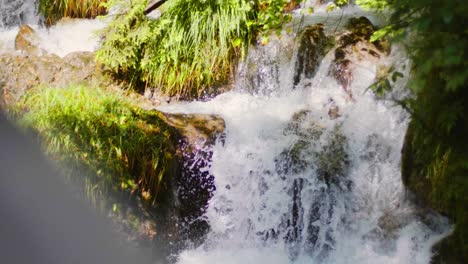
(53, 10)
(437, 174)
(435, 164)
(122, 147)
(192, 46)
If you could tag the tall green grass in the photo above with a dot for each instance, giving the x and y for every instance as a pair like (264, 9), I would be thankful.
(192, 46)
(123, 147)
(53, 10)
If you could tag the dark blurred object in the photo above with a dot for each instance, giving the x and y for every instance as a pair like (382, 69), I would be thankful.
(41, 220)
(152, 5)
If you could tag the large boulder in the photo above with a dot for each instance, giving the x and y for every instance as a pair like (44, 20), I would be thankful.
(354, 46)
(20, 73)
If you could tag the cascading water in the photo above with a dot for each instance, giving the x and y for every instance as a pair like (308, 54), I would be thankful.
(60, 39)
(307, 173)
(16, 12)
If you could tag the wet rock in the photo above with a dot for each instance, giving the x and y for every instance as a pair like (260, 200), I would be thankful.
(198, 130)
(296, 159)
(334, 111)
(354, 46)
(311, 49)
(27, 40)
(333, 160)
(196, 135)
(317, 149)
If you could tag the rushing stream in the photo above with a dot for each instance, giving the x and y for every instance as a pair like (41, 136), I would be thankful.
(304, 173)
(60, 39)
(296, 185)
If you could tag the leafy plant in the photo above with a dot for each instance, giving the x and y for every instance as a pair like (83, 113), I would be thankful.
(192, 46)
(123, 147)
(53, 10)
(435, 36)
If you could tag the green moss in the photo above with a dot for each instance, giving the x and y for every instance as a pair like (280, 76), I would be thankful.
(437, 174)
(125, 148)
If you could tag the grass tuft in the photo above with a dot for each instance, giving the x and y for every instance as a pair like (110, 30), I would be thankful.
(124, 147)
(193, 45)
(53, 10)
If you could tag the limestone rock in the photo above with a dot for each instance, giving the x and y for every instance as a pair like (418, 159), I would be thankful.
(27, 40)
(20, 73)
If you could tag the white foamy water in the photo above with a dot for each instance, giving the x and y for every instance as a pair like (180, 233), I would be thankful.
(272, 202)
(61, 39)
(13, 12)
(266, 209)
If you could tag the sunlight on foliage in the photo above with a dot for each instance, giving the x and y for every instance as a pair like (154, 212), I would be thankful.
(435, 36)
(53, 10)
(124, 147)
(192, 46)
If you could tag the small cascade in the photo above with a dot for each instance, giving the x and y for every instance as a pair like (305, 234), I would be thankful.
(308, 169)
(60, 39)
(17, 12)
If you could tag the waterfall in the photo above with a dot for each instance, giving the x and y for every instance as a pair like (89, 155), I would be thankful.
(17, 12)
(307, 173)
(60, 39)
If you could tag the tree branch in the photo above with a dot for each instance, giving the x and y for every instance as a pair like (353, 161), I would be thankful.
(152, 5)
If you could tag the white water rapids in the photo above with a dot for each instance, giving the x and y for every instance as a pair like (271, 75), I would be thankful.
(266, 207)
(265, 210)
(60, 39)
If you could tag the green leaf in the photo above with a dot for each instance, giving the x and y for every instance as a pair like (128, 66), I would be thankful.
(237, 42)
(379, 34)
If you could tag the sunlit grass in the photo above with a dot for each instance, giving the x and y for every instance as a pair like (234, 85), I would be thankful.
(125, 148)
(53, 10)
(192, 46)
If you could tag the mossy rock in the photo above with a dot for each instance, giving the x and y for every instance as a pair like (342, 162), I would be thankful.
(437, 175)
(353, 45)
(312, 48)
(327, 148)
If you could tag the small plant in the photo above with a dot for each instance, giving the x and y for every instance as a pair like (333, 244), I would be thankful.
(53, 10)
(123, 147)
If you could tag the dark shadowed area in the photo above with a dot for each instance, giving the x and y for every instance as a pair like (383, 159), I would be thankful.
(42, 221)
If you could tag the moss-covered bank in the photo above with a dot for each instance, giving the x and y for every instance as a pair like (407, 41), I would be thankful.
(438, 176)
(124, 148)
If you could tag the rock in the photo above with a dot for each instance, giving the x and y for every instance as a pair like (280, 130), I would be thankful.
(20, 73)
(333, 159)
(198, 130)
(197, 134)
(334, 112)
(311, 49)
(354, 46)
(27, 40)
(328, 148)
